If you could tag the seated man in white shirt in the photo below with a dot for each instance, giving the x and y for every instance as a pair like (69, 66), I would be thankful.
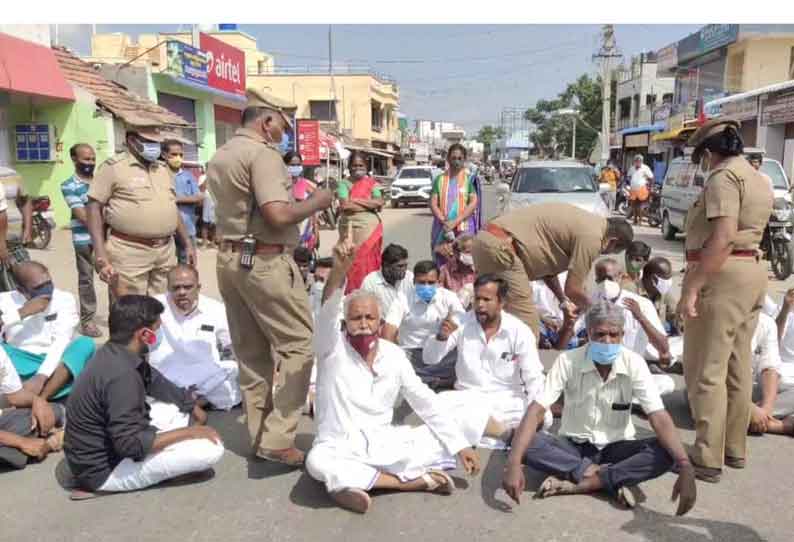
(197, 349)
(773, 399)
(553, 321)
(392, 278)
(497, 360)
(39, 324)
(32, 428)
(416, 317)
(596, 450)
(359, 378)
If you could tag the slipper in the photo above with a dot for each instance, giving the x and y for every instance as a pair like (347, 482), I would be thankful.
(433, 486)
(81, 495)
(549, 484)
(353, 499)
(626, 498)
(279, 456)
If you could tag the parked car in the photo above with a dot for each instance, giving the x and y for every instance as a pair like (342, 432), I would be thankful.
(552, 181)
(412, 185)
(684, 181)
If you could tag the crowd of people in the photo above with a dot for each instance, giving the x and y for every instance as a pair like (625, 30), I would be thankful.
(457, 336)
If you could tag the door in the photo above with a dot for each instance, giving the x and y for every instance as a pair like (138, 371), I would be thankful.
(696, 179)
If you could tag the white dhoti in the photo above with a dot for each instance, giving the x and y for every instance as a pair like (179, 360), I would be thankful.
(226, 394)
(403, 451)
(195, 455)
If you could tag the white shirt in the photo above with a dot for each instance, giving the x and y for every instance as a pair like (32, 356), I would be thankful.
(634, 336)
(47, 333)
(766, 354)
(189, 354)
(385, 292)
(509, 362)
(786, 369)
(355, 404)
(417, 320)
(545, 300)
(9, 379)
(595, 410)
(640, 176)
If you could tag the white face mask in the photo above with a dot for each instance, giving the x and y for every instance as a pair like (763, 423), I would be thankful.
(466, 259)
(663, 285)
(608, 290)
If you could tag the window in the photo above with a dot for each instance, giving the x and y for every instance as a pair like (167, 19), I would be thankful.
(377, 118)
(667, 98)
(324, 110)
(650, 99)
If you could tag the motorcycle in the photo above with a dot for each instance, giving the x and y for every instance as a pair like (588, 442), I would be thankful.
(654, 210)
(622, 201)
(776, 242)
(43, 223)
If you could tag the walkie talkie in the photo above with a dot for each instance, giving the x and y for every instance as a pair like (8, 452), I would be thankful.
(247, 251)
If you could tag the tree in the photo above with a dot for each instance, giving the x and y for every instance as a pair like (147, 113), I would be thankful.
(488, 136)
(552, 135)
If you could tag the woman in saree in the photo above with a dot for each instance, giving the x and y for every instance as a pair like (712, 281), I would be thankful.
(455, 203)
(360, 202)
(302, 189)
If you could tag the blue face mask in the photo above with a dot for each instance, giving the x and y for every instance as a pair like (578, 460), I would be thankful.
(603, 353)
(294, 171)
(43, 290)
(284, 147)
(149, 151)
(426, 292)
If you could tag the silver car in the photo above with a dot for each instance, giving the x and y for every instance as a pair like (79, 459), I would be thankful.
(545, 181)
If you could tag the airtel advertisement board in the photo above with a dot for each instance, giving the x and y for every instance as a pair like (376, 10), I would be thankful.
(225, 65)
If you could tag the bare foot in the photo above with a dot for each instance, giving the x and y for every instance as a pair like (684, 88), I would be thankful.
(355, 500)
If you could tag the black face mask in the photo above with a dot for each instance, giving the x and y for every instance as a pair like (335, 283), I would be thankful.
(86, 170)
(393, 274)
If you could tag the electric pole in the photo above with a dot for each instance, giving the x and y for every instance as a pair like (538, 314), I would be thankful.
(605, 54)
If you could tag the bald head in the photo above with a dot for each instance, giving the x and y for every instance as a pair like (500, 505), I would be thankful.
(33, 279)
(184, 287)
(182, 270)
(607, 269)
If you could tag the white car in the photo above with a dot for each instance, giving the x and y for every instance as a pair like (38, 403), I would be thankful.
(544, 181)
(412, 185)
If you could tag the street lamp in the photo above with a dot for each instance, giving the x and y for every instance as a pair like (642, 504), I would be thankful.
(575, 114)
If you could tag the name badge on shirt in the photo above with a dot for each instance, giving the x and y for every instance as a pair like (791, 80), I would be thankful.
(51, 317)
(621, 406)
(207, 327)
(509, 357)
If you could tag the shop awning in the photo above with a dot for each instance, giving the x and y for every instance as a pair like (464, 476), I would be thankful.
(30, 68)
(777, 87)
(228, 96)
(678, 133)
(371, 150)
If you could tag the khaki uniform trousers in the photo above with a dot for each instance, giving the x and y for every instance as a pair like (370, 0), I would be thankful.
(271, 328)
(717, 360)
(494, 255)
(142, 270)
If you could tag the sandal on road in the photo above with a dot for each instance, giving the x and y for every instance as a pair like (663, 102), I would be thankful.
(434, 486)
(554, 486)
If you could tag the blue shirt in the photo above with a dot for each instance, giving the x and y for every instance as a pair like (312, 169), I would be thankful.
(75, 192)
(185, 185)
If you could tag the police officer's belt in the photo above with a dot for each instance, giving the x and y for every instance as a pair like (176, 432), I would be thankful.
(151, 242)
(694, 255)
(261, 248)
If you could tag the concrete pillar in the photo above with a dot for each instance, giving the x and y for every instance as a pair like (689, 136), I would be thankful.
(205, 121)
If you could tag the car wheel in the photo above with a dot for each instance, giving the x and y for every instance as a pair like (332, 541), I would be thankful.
(395, 204)
(668, 230)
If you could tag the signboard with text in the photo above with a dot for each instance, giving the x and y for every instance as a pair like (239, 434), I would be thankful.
(777, 109)
(708, 38)
(225, 65)
(667, 58)
(186, 62)
(309, 141)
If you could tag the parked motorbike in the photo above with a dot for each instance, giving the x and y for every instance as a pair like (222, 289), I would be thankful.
(43, 223)
(622, 201)
(654, 210)
(776, 242)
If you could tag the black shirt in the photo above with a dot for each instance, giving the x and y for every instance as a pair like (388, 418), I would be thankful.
(108, 417)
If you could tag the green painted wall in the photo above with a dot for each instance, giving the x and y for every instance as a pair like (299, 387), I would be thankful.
(74, 123)
(205, 112)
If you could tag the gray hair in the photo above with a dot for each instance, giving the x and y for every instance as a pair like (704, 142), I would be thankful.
(361, 295)
(604, 312)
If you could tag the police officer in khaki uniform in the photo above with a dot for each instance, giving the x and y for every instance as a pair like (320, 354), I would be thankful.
(542, 241)
(134, 193)
(722, 293)
(266, 302)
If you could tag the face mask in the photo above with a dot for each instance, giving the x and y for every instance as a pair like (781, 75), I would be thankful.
(607, 290)
(426, 292)
(149, 151)
(632, 267)
(603, 353)
(358, 174)
(362, 343)
(663, 285)
(85, 170)
(467, 260)
(294, 171)
(44, 290)
(284, 147)
(393, 275)
(158, 340)
(175, 163)
(456, 164)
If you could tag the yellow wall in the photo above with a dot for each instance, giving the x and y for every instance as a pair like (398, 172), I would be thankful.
(766, 61)
(354, 94)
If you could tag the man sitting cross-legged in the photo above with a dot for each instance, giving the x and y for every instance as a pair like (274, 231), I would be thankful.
(359, 378)
(596, 448)
(497, 361)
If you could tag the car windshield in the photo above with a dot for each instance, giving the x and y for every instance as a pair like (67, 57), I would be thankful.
(415, 174)
(774, 170)
(536, 180)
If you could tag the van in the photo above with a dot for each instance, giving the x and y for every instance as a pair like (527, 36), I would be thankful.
(683, 183)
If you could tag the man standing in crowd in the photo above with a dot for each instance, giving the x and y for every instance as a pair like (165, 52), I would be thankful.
(117, 441)
(16, 217)
(188, 195)
(535, 243)
(611, 177)
(134, 194)
(266, 300)
(640, 189)
(75, 192)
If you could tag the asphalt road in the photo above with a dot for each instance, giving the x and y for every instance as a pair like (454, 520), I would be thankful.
(251, 500)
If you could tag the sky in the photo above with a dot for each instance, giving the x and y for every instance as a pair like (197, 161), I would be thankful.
(464, 74)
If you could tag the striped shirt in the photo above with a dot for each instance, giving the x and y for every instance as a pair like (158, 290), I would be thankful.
(75, 192)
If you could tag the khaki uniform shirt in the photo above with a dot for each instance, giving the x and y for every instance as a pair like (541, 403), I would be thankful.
(245, 174)
(555, 237)
(666, 306)
(139, 200)
(734, 190)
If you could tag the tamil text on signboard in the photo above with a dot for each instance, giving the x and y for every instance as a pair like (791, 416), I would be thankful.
(225, 65)
(309, 142)
(186, 62)
(778, 109)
